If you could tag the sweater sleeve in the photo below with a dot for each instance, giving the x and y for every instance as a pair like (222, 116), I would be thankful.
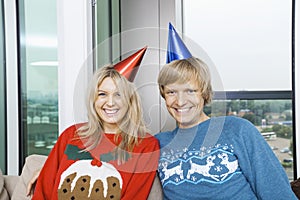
(261, 166)
(46, 180)
(142, 178)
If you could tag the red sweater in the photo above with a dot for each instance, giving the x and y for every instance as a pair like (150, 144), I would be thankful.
(70, 173)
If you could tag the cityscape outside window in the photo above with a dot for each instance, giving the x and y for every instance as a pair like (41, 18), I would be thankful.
(273, 118)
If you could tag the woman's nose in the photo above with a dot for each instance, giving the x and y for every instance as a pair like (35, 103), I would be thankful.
(111, 100)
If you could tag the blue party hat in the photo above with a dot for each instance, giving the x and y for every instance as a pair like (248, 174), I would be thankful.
(176, 48)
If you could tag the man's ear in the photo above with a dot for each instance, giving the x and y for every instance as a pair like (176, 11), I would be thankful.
(162, 91)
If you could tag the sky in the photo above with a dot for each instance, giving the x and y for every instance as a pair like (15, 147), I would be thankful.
(248, 41)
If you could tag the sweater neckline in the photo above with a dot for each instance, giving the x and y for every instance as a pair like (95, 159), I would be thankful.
(183, 130)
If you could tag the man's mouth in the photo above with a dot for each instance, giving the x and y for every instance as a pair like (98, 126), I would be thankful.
(182, 110)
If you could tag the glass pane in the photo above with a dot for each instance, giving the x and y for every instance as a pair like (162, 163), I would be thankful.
(247, 40)
(273, 118)
(39, 84)
(107, 27)
(2, 96)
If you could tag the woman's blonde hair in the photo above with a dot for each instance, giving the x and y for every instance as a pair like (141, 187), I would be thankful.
(185, 70)
(131, 127)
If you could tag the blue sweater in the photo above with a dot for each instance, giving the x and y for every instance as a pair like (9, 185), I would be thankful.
(221, 158)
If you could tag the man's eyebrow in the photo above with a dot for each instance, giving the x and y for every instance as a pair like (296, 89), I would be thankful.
(169, 89)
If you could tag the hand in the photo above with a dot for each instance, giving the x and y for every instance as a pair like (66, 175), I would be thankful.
(32, 182)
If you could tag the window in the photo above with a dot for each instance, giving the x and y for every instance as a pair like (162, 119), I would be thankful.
(106, 32)
(38, 76)
(249, 45)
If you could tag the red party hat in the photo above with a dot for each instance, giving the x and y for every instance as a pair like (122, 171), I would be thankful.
(129, 66)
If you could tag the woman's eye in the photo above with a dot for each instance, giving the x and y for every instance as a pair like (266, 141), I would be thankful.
(101, 94)
(118, 94)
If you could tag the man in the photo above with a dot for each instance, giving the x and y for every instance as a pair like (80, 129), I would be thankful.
(211, 158)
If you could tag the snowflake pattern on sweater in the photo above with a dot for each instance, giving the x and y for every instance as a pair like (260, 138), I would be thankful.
(214, 165)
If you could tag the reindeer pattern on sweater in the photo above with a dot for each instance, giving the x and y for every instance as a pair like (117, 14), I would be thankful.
(191, 166)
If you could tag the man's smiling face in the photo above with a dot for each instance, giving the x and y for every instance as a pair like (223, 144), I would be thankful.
(185, 103)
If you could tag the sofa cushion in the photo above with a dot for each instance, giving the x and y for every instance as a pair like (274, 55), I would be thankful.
(156, 190)
(32, 164)
(10, 182)
(3, 192)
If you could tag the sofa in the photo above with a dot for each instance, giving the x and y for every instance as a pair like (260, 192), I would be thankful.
(14, 187)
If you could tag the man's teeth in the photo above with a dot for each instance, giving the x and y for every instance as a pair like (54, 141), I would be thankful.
(183, 110)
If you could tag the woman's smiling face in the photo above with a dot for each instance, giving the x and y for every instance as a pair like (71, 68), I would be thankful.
(110, 105)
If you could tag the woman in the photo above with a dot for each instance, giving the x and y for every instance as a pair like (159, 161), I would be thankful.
(109, 157)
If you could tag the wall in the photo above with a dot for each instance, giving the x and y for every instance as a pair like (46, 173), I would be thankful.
(12, 91)
(145, 23)
(74, 58)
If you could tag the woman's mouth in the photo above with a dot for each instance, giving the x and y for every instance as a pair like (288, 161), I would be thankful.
(111, 111)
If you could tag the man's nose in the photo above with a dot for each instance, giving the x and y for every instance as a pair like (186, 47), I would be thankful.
(181, 99)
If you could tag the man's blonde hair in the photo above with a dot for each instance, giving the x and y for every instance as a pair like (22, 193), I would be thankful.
(185, 70)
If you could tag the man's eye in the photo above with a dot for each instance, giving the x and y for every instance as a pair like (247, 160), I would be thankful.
(170, 92)
(192, 91)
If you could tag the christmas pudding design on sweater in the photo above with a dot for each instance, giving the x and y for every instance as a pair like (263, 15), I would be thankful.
(87, 179)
